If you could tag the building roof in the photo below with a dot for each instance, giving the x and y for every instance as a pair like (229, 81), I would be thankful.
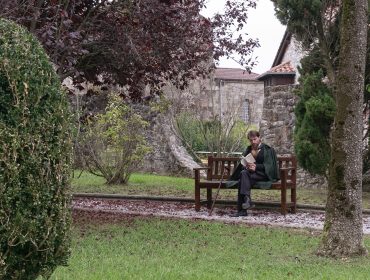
(234, 74)
(285, 68)
(282, 48)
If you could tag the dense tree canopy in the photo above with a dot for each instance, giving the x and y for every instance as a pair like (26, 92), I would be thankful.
(133, 43)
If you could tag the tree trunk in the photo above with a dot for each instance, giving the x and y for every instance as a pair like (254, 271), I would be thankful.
(343, 232)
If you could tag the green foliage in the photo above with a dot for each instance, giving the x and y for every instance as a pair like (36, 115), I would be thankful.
(300, 16)
(315, 113)
(191, 132)
(35, 153)
(114, 143)
(304, 19)
(160, 105)
(312, 63)
(211, 135)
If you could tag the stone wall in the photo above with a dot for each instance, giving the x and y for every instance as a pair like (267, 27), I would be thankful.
(278, 118)
(232, 96)
(277, 128)
(168, 157)
(225, 98)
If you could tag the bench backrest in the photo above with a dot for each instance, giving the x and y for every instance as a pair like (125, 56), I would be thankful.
(217, 166)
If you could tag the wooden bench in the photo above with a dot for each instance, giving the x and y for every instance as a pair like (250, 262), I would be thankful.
(216, 167)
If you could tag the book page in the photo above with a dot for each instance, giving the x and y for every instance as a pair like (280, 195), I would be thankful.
(247, 159)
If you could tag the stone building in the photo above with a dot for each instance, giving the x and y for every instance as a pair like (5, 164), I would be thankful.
(267, 101)
(278, 117)
(284, 69)
(227, 92)
(236, 92)
(282, 74)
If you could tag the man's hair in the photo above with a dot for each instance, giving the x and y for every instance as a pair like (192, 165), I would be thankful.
(253, 133)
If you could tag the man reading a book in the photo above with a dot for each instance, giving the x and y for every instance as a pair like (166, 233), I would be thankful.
(258, 164)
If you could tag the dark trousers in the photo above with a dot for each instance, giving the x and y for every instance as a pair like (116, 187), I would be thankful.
(246, 181)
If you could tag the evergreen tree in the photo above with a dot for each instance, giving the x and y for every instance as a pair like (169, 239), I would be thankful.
(35, 152)
(314, 116)
(315, 113)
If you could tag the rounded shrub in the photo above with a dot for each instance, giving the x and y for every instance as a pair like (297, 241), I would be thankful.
(35, 153)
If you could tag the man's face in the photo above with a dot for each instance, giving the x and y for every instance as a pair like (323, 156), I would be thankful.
(255, 141)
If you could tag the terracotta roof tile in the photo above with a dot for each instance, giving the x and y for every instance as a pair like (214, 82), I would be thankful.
(285, 67)
(234, 74)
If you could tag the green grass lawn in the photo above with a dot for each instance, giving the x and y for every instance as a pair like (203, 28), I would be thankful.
(156, 185)
(143, 248)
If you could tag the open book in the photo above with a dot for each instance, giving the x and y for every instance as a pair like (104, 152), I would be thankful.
(247, 159)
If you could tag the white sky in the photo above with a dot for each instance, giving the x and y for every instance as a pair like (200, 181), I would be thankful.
(261, 24)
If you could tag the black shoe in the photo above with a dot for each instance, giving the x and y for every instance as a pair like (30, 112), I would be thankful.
(248, 203)
(241, 213)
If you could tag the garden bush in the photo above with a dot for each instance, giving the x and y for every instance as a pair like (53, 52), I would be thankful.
(113, 143)
(35, 154)
(211, 135)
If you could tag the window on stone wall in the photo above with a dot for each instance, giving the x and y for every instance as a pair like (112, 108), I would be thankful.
(245, 111)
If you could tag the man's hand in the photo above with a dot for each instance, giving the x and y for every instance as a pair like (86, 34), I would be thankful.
(251, 166)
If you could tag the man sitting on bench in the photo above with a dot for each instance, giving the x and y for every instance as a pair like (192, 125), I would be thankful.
(262, 167)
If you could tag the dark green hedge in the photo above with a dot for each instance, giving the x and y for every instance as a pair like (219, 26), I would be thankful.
(35, 154)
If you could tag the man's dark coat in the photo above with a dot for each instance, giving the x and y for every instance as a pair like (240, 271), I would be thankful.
(268, 167)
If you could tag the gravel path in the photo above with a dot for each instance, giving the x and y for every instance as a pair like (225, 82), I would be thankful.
(311, 220)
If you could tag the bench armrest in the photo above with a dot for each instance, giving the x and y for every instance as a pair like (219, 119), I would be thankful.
(284, 171)
(200, 168)
(287, 168)
(197, 173)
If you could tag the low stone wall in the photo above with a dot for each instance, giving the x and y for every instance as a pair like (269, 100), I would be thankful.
(277, 127)
(305, 179)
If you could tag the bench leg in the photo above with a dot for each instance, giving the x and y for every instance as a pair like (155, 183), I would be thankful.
(197, 198)
(293, 197)
(284, 209)
(209, 198)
